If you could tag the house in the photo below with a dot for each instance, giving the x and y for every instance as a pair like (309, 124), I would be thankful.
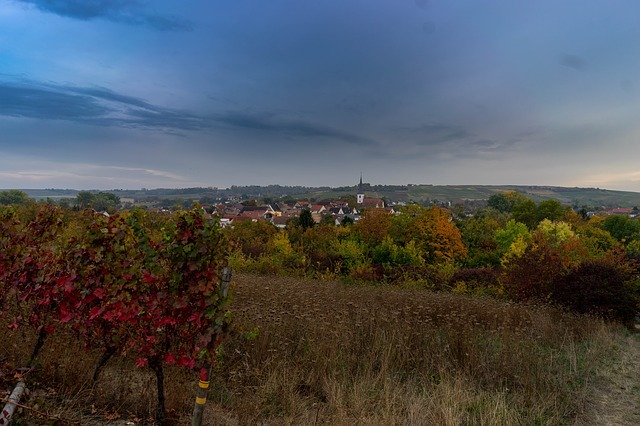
(317, 208)
(280, 221)
(256, 213)
(372, 203)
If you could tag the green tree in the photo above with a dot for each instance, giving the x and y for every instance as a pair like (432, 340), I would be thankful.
(526, 211)
(347, 221)
(505, 201)
(596, 240)
(478, 234)
(84, 199)
(551, 209)
(511, 233)
(306, 220)
(622, 228)
(13, 196)
(104, 201)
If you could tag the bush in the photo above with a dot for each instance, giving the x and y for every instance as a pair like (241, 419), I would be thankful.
(532, 275)
(599, 286)
(478, 281)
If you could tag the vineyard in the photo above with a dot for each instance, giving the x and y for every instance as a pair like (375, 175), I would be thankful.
(134, 285)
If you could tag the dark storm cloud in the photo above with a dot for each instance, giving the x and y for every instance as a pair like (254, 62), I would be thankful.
(573, 61)
(121, 11)
(95, 106)
(103, 107)
(294, 128)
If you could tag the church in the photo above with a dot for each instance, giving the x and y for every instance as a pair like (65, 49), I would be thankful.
(364, 202)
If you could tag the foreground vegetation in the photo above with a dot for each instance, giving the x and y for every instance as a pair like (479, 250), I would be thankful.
(502, 318)
(305, 351)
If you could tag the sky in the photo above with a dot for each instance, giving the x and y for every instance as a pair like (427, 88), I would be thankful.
(110, 94)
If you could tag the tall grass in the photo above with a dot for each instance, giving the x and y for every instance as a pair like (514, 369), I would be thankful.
(347, 354)
(309, 352)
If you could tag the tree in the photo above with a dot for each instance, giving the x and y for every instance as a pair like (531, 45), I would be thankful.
(374, 226)
(622, 228)
(478, 235)
(104, 201)
(328, 220)
(251, 237)
(13, 196)
(306, 220)
(84, 199)
(526, 212)
(552, 210)
(437, 236)
(347, 221)
(512, 240)
(505, 201)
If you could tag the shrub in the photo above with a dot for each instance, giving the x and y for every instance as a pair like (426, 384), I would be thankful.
(599, 286)
(531, 275)
(477, 281)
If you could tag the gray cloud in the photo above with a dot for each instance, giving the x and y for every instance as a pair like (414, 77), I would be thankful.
(103, 107)
(121, 11)
(573, 61)
(95, 106)
(284, 127)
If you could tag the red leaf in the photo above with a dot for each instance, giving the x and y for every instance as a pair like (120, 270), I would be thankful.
(65, 315)
(100, 293)
(66, 282)
(186, 361)
(166, 321)
(169, 359)
(94, 312)
(147, 278)
(142, 362)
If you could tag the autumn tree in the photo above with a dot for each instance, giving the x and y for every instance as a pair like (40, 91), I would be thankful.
(251, 237)
(437, 236)
(374, 226)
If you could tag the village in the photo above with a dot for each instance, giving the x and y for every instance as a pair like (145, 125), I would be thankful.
(337, 212)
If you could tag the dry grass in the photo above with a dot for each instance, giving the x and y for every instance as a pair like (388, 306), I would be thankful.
(308, 352)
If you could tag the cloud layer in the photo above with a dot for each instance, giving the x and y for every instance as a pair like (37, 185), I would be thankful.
(121, 11)
(313, 93)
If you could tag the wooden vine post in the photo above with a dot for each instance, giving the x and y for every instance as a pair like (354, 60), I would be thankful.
(9, 408)
(205, 373)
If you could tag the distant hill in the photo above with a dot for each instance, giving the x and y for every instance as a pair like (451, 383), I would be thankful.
(592, 197)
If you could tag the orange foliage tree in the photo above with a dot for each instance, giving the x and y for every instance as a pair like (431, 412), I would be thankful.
(436, 235)
(374, 226)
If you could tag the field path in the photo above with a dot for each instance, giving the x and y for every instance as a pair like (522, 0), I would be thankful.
(616, 395)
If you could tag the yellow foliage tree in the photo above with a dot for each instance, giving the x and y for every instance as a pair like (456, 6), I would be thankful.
(374, 226)
(437, 236)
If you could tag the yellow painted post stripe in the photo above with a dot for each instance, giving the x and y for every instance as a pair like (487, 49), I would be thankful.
(201, 401)
(203, 385)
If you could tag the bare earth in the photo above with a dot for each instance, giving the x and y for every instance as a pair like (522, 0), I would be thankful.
(616, 392)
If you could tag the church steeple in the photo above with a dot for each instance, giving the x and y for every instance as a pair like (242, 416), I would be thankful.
(360, 194)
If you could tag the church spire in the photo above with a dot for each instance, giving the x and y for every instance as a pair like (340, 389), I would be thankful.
(360, 194)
